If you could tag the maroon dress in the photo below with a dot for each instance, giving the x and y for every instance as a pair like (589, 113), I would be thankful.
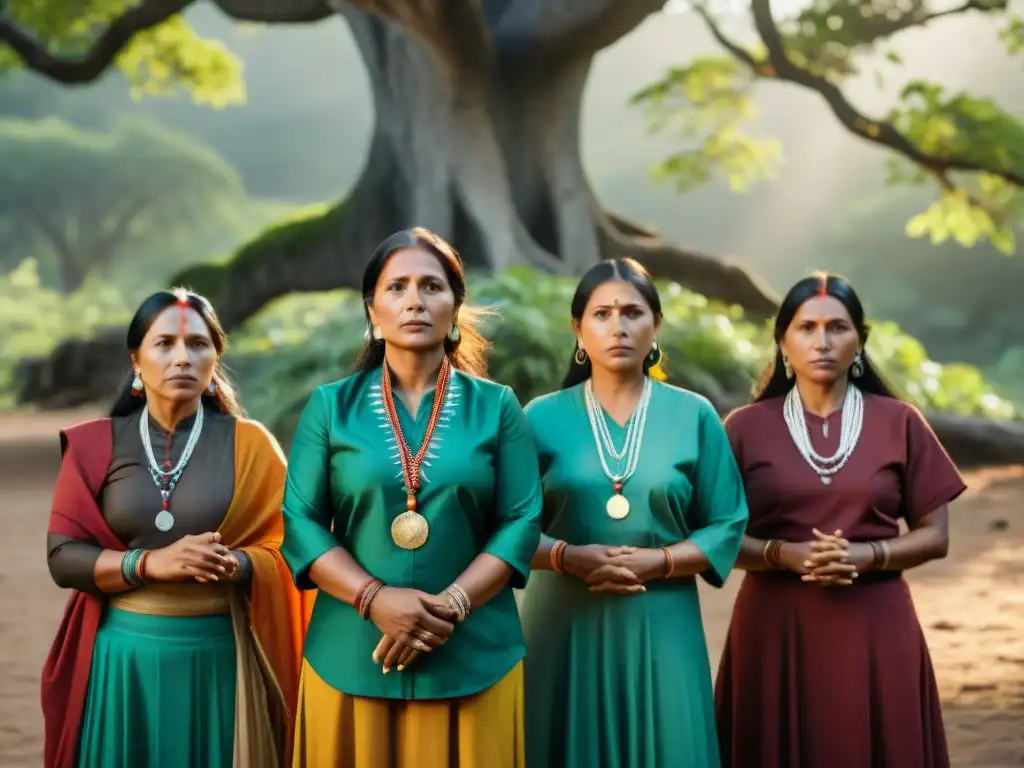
(832, 677)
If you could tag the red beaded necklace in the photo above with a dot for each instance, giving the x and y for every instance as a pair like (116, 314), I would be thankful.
(409, 529)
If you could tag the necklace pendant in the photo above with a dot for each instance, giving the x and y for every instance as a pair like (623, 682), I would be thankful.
(825, 480)
(410, 530)
(824, 429)
(164, 521)
(617, 506)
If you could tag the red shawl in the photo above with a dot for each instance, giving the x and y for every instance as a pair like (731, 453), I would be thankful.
(75, 513)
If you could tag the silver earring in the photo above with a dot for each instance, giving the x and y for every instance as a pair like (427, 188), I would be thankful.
(787, 366)
(581, 355)
(377, 333)
(454, 335)
(654, 356)
(213, 387)
(137, 383)
(857, 369)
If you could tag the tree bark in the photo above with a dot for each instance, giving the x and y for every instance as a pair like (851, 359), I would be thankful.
(476, 137)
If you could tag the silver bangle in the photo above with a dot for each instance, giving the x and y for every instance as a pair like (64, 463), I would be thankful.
(459, 600)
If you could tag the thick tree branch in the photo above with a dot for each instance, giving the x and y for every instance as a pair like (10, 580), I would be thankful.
(543, 30)
(276, 11)
(881, 132)
(89, 67)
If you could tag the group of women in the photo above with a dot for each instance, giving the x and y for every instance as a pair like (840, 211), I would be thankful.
(354, 607)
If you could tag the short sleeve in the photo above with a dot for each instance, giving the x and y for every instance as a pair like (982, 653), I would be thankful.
(931, 479)
(518, 495)
(307, 505)
(721, 502)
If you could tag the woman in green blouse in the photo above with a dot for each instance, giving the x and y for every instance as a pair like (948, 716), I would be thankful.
(413, 504)
(641, 495)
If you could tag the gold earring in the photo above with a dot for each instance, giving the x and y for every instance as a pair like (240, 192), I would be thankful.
(581, 355)
(787, 366)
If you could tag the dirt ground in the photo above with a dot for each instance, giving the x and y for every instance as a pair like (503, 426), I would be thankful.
(971, 604)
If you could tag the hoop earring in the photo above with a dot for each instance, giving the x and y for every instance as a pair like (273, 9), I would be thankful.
(785, 364)
(857, 369)
(654, 356)
(136, 390)
(455, 335)
(581, 355)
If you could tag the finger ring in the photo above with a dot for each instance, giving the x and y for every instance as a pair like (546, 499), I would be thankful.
(420, 645)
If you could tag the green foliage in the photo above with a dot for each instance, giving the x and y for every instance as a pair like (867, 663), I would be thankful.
(708, 103)
(164, 60)
(974, 146)
(302, 341)
(34, 318)
(79, 199)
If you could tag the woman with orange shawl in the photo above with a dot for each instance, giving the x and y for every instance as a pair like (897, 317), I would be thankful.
(181, 642)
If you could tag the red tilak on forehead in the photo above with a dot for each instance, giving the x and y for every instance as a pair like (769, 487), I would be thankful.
(183, 318)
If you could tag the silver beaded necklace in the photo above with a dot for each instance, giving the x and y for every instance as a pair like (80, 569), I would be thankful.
(849, 432)
(167, 478)
(617, 505)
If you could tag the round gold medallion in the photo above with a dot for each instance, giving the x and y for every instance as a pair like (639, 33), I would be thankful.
(617, 507)
(410, 530)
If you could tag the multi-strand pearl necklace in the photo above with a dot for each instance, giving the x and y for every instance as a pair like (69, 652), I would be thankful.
(618, 506)
(849, 434)
(167, 477)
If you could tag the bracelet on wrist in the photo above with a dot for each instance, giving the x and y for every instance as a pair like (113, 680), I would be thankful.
(670, 563)
(557, 556)
(364, 596)
(880, 552)
(458, 600)
(773, 553)
(130, 571)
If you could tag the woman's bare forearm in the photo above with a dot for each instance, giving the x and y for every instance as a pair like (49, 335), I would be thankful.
(338, 574)
(542, 557)
(485, 577)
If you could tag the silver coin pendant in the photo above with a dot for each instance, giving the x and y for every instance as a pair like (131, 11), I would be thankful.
(164, 520)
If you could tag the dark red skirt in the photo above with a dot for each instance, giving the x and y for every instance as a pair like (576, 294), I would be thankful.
(836, 677)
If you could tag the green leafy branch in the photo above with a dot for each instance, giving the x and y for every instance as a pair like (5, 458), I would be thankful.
(945, 137)
(708, 103)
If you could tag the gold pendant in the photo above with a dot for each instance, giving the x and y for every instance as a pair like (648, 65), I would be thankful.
(617, 507)
(410, 530)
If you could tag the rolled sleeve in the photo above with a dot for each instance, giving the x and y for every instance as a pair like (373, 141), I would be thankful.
(519, 497)
(307, 508)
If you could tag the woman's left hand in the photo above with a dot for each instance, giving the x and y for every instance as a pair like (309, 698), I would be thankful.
(835, 561)
(390, 653)
(233, 569)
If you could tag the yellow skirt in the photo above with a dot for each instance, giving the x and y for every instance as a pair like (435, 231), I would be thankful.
(336, 730)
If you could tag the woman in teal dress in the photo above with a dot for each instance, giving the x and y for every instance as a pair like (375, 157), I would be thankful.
(413, 504)
(641, 496)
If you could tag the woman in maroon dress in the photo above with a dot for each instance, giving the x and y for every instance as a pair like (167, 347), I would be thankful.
(826, 665)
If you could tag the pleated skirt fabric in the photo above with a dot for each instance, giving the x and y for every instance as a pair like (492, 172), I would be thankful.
(838, 677)
(161, 693)
(337, 730)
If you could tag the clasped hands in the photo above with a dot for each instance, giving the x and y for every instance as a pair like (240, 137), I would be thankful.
(616, 570)
(829, 560)
(413, 623)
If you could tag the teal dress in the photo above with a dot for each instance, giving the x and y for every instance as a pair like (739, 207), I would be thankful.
(624, 681)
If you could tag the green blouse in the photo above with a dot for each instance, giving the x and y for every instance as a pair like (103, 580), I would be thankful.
(480, 492)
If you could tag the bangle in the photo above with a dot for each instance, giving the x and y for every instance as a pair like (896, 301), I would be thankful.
(365, 595)
(557, 552)
(458, 600)
(670, 563)
(129, 566)
(140, 570)
(880, 550)
(772, 552)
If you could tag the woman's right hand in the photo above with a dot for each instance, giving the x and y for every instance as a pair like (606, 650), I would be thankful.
(190, 557)
(595, 564)
(412, 618)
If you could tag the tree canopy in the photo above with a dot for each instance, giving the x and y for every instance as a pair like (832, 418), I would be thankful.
(79, 200)
(965, 145)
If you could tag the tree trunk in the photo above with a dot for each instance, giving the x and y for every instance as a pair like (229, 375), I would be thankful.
(486, 155)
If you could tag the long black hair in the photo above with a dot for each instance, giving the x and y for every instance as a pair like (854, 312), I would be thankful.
(467, 352)
(224, 399)
(619, 270)
(773, 381)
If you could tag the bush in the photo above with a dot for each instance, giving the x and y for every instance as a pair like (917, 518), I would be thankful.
(305, 340)
(33, 318)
